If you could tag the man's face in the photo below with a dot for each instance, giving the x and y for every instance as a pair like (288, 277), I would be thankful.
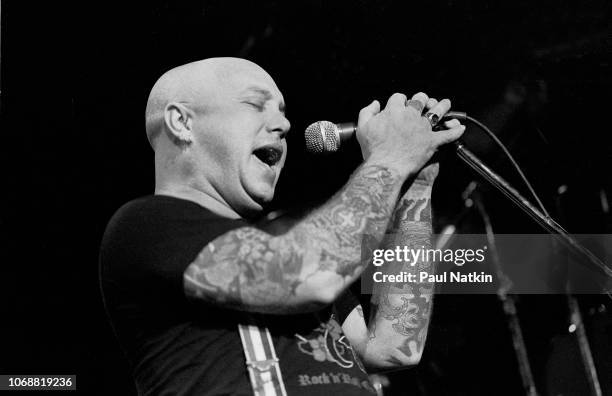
(240, 140)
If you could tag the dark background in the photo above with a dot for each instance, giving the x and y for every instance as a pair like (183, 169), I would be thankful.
(75, 79)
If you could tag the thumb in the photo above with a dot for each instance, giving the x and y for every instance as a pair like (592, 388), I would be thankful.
(368, 112)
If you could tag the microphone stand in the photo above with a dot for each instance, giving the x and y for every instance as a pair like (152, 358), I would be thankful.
(507, 300)
(471, 199)
(545, 221)
(575, 318)
(508, 305)
(553, 228)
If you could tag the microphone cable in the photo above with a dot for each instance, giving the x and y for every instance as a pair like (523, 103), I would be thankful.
(490, 134)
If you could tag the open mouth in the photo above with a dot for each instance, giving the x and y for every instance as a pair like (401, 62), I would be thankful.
(269, 155)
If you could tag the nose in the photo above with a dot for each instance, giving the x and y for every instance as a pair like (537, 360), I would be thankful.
(280, 124)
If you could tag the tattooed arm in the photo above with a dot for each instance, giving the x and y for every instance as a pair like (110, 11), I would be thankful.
(396, 332)
(314, 262)
(307, 267)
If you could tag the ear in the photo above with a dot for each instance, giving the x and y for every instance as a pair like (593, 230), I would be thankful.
(179, 123)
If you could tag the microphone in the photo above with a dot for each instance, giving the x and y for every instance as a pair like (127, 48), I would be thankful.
(327, 137)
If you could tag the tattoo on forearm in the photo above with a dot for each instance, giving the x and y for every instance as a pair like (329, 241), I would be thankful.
(248, 266)
(408, 306)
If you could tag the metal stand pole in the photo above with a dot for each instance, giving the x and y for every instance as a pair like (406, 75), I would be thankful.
(548, 223)
(575, 319)
(583, 345)
(514, 325)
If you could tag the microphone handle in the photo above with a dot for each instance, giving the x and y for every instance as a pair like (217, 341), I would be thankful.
(346, 130)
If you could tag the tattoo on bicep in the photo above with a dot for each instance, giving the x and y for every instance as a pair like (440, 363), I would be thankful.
(248, 265)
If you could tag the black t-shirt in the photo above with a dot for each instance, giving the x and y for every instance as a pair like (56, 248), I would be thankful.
(180, 347)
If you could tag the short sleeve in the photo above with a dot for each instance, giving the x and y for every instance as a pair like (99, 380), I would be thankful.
(150, 242)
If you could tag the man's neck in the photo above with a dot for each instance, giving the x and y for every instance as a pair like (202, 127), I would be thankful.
(199, 197)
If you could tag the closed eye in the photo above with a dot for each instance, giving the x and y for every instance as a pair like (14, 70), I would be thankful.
(259, 106)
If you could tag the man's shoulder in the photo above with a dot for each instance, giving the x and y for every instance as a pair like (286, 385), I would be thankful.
(159, 233)
(133, 209)
(157, 210)
(163, 219)
(148, 215)
(156, 205)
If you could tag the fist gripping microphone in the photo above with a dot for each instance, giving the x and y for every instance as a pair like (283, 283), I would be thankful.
(327, 137)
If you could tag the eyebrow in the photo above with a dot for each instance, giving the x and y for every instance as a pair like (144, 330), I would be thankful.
(267, 95)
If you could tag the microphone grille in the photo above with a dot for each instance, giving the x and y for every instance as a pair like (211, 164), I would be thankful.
(322, 137)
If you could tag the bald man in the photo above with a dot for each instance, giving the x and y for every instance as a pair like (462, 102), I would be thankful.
(181, 270)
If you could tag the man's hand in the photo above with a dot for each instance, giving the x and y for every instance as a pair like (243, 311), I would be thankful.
(399, 136)
(430, 171)
(309, 266)
(396, 332)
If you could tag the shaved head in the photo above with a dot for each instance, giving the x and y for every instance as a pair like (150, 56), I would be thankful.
(218, 128)
(194, 83)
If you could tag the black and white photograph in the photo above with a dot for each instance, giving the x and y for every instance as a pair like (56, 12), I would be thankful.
(282, 198)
